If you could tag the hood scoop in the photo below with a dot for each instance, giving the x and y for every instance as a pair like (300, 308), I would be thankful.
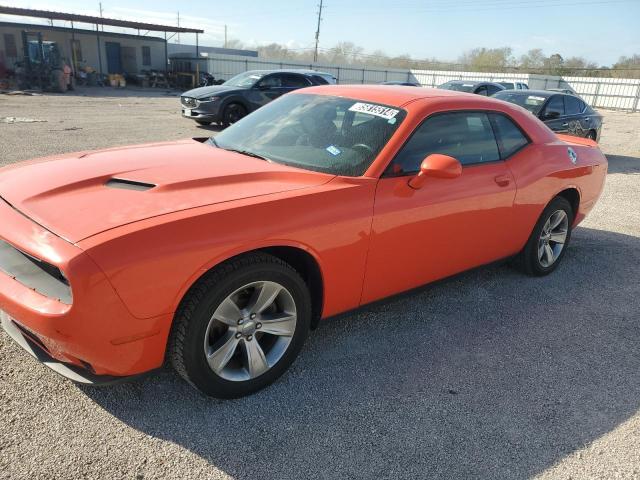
(129, 184)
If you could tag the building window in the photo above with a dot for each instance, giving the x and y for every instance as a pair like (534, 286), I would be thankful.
(10, 45)
(146, 56)
(76, 51)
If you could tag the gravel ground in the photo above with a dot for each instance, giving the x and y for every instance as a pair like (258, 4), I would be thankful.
(488, 375)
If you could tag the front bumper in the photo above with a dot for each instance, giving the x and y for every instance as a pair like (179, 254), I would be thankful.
(95, 336)
(203, 111)
(39, 352)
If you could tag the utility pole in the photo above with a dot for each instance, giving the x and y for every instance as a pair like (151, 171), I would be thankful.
(225, 36)
(178, 39)
(100, 3)
(315, 54)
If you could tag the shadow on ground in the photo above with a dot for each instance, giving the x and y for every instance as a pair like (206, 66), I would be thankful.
(623, 164)
(489, 375)
(207, 129)
(110, 92)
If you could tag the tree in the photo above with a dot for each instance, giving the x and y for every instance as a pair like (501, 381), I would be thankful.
(275, 51)
(533, 60)
(488, 59)
(234, 43)
(344, 52)
(629, 67)
(553, 65)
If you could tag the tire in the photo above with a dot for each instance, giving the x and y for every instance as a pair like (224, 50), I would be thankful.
(198, 341)
(232, 113)
(529, 260)
(203, 123)
(592, 135)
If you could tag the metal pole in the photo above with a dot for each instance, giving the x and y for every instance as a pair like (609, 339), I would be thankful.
(595, 96)
(197, 47)
(74, 60)
(166, 55)
(637, 103)
(178, 39)
(225, 36)
(99, 51)
(315, 54)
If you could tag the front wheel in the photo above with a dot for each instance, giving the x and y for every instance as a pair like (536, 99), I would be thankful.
(232, 113)
(549, 240)
(241, 326)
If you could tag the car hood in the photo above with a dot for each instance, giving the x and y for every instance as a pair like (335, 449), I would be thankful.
(209, 91)
(79, 195)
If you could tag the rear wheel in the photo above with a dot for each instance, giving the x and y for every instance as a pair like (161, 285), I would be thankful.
(549, 240)
(232, 113)
(241, 326)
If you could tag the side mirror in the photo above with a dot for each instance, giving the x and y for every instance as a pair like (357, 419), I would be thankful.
(436, 166)
(551, 115)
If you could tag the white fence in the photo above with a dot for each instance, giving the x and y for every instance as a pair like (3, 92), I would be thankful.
(611, 93)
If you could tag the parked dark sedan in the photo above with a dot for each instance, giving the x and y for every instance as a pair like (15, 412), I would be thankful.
(244, 93)
(563, 113)
(479, 88)
(406, 84)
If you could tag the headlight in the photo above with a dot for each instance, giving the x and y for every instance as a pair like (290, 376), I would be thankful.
(207, 99)
(34, 273)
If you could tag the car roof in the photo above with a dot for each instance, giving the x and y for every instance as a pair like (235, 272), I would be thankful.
(300, 71)
(472, 82)
(392, 95)
(538, 93)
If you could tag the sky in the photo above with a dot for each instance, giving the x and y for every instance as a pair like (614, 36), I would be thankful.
(599, 30)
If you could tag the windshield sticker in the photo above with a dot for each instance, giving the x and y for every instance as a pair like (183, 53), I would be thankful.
(333, 150)
(392, 121)
(377, 110)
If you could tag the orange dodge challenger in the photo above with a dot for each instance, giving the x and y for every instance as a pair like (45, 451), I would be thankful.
(219, 255)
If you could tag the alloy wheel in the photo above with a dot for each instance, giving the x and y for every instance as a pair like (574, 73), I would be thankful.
(250, 331)
(552, 238)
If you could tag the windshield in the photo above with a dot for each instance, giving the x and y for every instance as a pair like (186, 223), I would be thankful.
(533, 103)
(458, 87)
(246, 79)
(327, 134)
(507, 85)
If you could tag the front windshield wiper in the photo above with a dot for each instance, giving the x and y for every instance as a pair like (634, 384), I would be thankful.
(247, 153)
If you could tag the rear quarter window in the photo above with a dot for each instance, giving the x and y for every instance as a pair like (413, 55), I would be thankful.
(510, 137)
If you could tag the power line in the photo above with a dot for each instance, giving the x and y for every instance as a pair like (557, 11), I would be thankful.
(473, 6)
(315, 55)
(439, 63)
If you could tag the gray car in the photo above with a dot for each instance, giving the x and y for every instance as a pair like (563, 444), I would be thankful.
(470, 86)
(244, 93)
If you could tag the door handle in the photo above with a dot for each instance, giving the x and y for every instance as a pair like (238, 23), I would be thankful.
(565, 124)
(502, 180)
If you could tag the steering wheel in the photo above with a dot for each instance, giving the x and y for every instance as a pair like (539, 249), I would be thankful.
(359, 147)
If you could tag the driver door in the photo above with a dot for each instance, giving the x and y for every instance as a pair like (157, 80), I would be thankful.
(553, 115)
(266, 90)
(448, 225)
